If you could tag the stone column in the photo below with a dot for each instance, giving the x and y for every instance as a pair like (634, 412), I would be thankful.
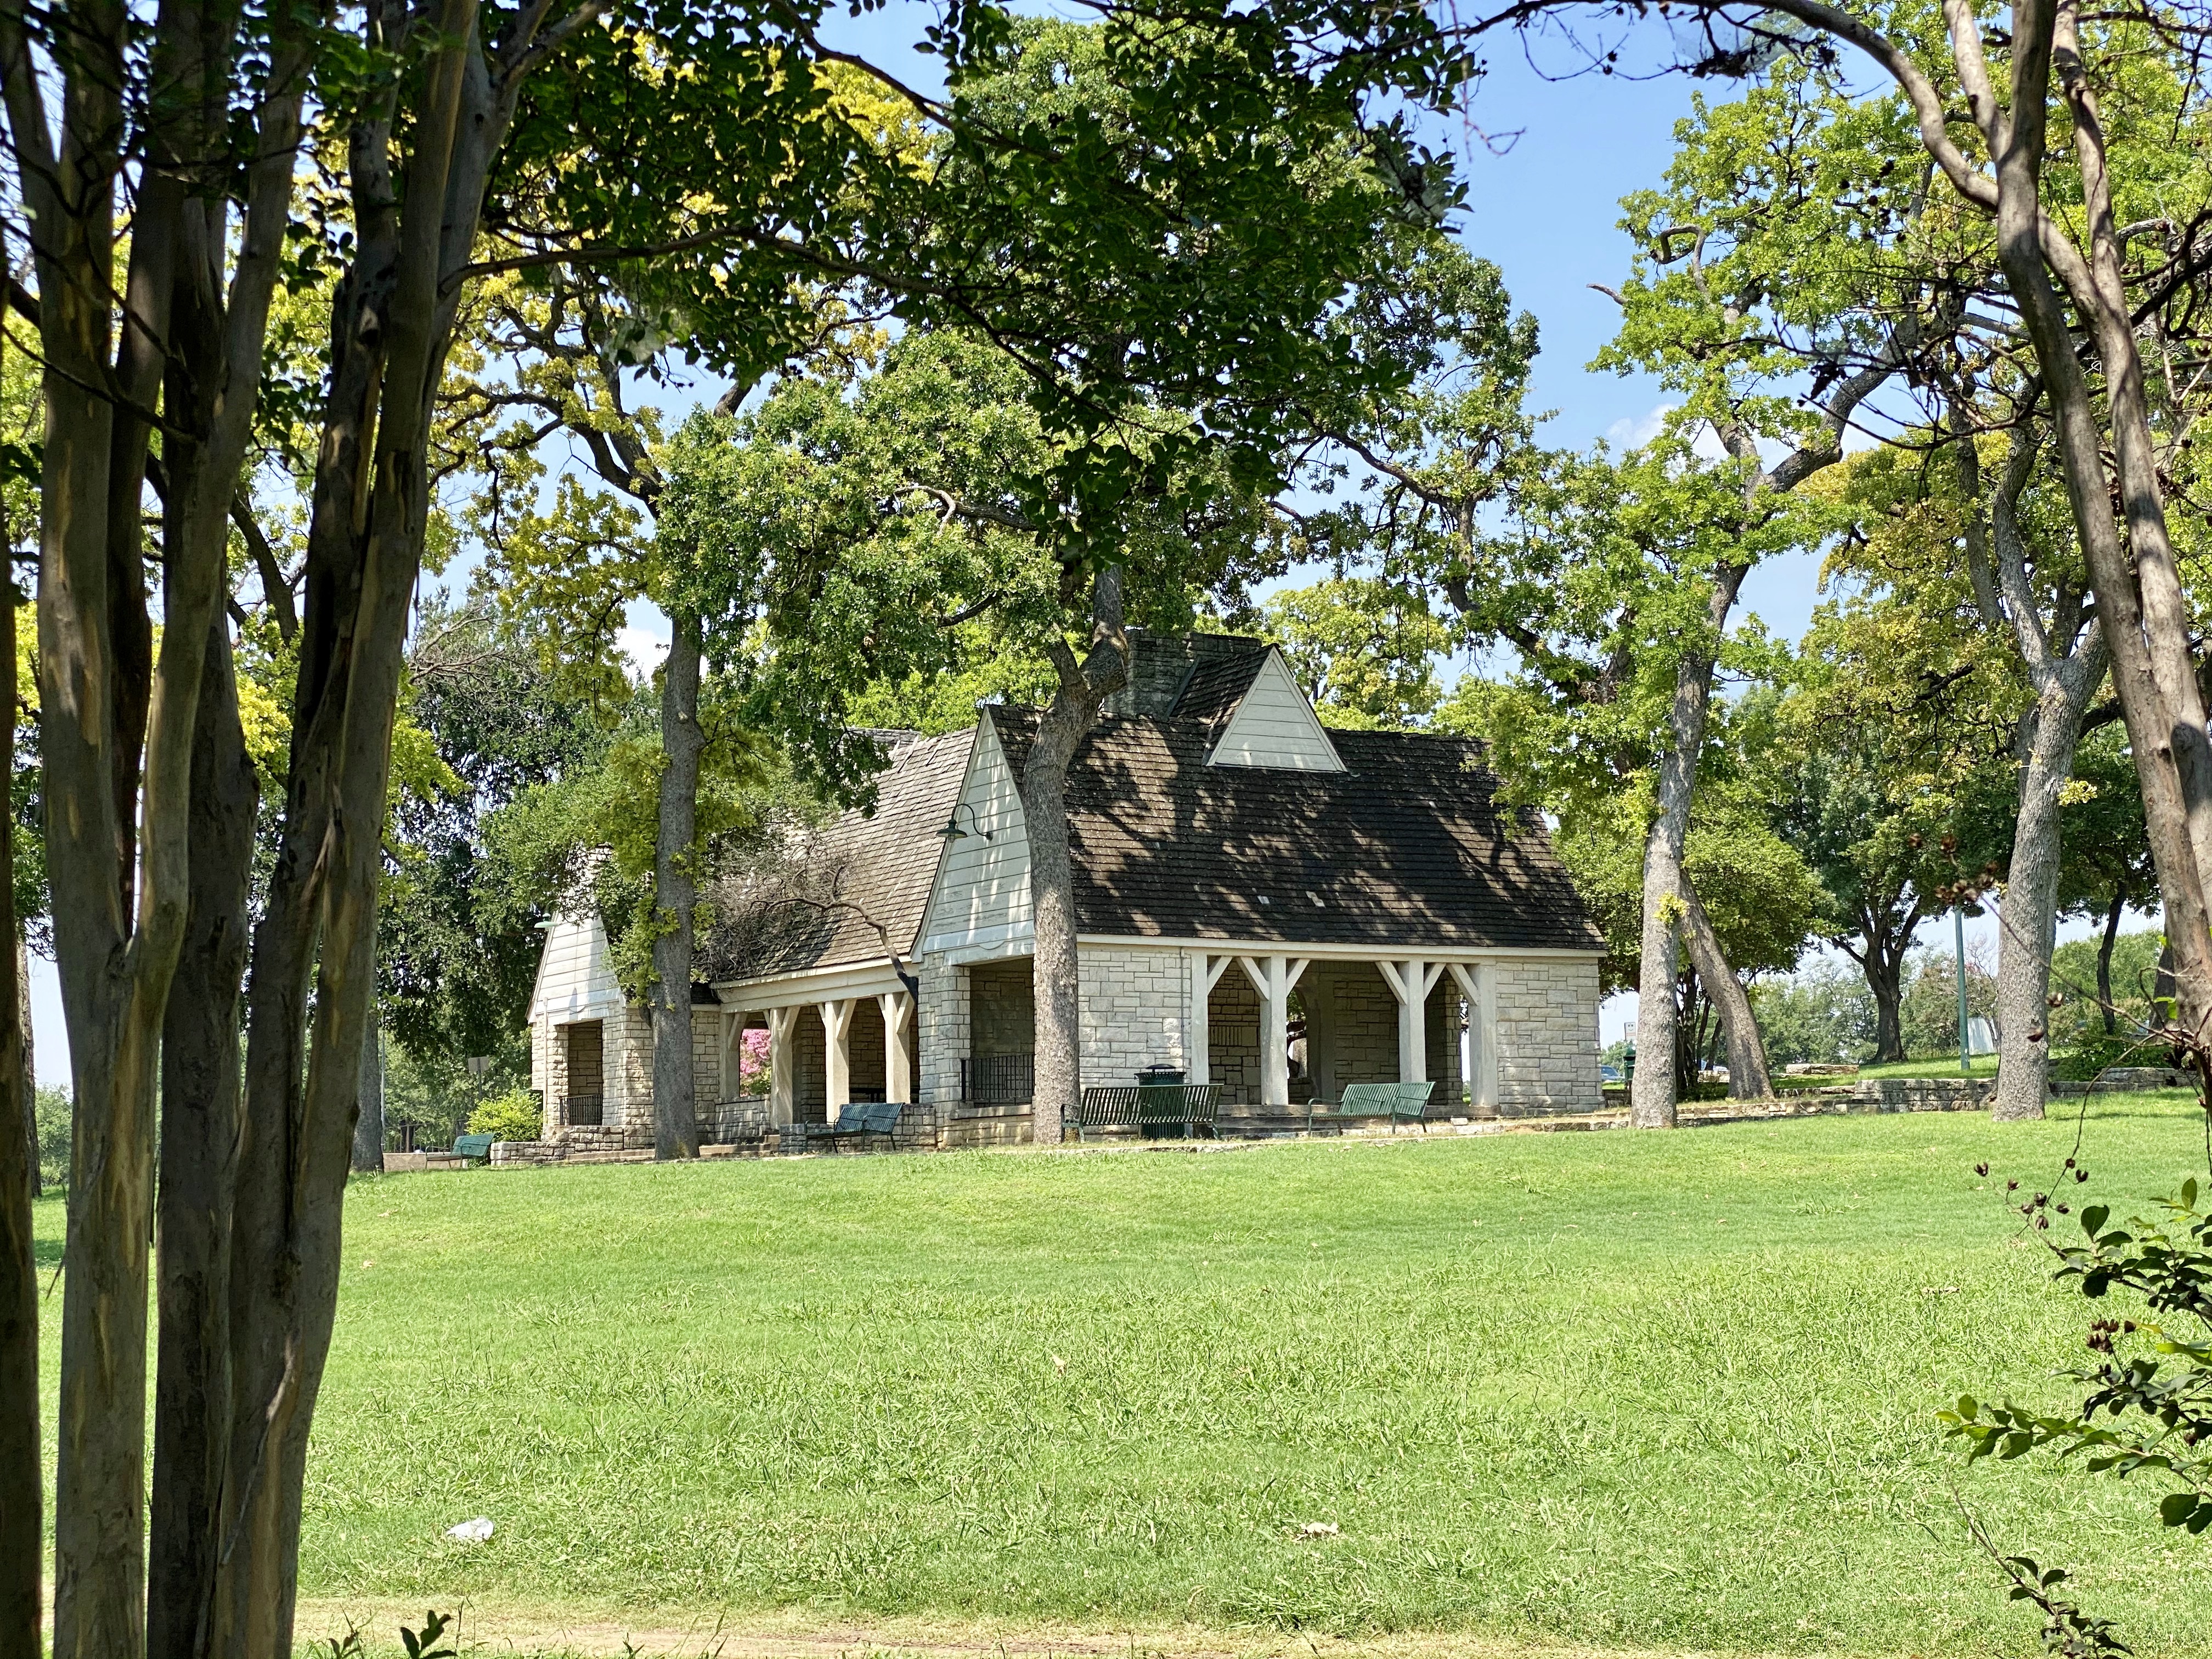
(1205, 972)
(941, 1033)
(898, 1045)
(837, 1056)
(1411, 982)
(783, 1066)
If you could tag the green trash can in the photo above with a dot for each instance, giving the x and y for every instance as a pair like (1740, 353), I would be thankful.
(1153, 1084)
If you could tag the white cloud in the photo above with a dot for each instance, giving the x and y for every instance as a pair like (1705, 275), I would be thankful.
(644, 648)
(1633, 434)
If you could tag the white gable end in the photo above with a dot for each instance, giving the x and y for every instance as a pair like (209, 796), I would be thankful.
(982, 899)
(1275, 726)
(574, 979)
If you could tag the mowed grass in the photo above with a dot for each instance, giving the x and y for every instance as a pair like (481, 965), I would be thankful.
(1663, 1391)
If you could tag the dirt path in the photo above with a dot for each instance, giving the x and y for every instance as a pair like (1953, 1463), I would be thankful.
(491, 1631)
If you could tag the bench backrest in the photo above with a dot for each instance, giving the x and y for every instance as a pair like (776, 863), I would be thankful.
(878, 1117)
(472, 1146)
(1123, 1104)
(1385, 1099)
(1369, 1099)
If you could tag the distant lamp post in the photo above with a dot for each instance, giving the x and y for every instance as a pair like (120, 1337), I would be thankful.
(952, 831)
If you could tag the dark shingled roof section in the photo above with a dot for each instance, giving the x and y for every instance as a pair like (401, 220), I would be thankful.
(884, 866)
(1210, 696)
(1162, 666)
(1409, 846)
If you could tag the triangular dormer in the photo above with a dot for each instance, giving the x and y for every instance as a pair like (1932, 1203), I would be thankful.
(1273, 724)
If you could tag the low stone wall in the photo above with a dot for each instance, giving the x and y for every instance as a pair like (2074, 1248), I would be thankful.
(1924, 1094)
(967, 1127)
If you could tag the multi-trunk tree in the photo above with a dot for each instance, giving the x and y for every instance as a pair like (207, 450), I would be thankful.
(2060, 137)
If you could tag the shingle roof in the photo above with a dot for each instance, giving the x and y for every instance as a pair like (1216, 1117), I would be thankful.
(857, 871)
(1407, 846)
(1164, 667)
(1214, 688)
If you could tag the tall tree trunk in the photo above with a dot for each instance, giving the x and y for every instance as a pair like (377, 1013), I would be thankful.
(1750, 1078)
(1651, 1095)
(1883, 965)
(2065, 662)
(675, 894)
(30, 1051)
(368, 1127)
(2027, 915)
(2139, 597)
(314, 946)
(2104, 955)
(202, 1124)
(1082, 688)
(22, 1519)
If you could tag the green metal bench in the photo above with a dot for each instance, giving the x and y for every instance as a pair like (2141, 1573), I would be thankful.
(856, 1118)
(1405, 1103)
(472, 1146)
(1150, 1108)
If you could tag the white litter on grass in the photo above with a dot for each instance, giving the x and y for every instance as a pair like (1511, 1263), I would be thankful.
(476, 1531)
(1318, 1529)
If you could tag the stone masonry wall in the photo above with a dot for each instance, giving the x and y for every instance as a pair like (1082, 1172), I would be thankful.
(628, 1063)
(1547, 1035)
(1442, 1022)
(1001, 1008)
(707, 1024)
(1134, 1003)
(941, 1029)
(1232, 1036)
(1352, 1018)
(810, 1094)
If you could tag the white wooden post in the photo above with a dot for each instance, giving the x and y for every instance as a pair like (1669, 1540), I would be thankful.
(1411, 982)
(898, 1046)
(1273, 977)
(783, 1066)
(1205, 972)
(1478, 984)
(836, 1056)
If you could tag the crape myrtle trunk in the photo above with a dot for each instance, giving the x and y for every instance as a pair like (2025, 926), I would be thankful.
(368, 1127)
(202, 1124)
(1083, 688)
(675, 889)
(22, 1540)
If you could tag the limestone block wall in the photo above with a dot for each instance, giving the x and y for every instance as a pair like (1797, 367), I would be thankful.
(865, 1044)
(1442, 1022)
(809, 1070)
(1233, 1037)
(628, 1063)
(706, 1052)
(1351, 1026)
(1547, 1049)
(1001, 1008)
(1133, 1002)
(941, 1029)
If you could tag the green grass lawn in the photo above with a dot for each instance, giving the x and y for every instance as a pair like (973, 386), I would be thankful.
(1931, 1066)
(1663, 1391)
